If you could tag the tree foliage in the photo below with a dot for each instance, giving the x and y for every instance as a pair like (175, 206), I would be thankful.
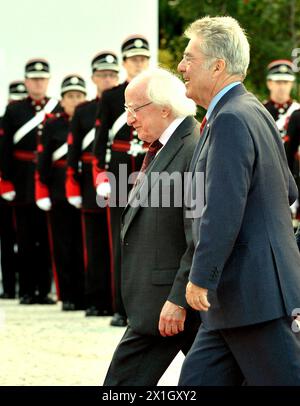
(272, 26)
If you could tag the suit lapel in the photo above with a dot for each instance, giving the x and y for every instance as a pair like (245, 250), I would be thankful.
(159, 164)
(199, 146)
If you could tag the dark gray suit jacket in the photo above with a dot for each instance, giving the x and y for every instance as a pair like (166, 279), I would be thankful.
(155, 258)
(246, 253)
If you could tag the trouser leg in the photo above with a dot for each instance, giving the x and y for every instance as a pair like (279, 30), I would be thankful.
(97, 275)
(8, 255)
(142, 360)
(210, 362)
(67, 246)
(33, 250)
(115, 227)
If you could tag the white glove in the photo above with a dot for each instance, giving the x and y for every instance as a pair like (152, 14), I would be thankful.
(294, 207)
(104, 190)
(9, 196)
(75, 201)
(44, 203)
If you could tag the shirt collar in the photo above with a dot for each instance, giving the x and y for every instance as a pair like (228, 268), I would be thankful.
(218, 97)
(166, 135)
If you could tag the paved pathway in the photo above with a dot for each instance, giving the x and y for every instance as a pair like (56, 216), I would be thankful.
(41, 345)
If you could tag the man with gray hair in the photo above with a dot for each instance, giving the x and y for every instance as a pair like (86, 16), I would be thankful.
(246, 280)
(155, 256)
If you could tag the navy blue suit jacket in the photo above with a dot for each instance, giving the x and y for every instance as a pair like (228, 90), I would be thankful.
(246, 254)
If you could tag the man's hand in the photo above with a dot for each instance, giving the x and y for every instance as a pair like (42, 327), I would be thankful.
(197, 297)
(171, 320)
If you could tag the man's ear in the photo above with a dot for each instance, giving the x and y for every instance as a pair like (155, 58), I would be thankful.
(219, 66)
(165, 112)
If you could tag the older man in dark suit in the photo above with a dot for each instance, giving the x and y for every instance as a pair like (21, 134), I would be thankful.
(155, 256)
(246, 280)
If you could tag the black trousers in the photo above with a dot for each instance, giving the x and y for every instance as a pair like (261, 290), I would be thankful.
(9, 258)
(97, 260)
(141, 360)
(114, 224)
(265, 354)
(66, 236)
(33, 250)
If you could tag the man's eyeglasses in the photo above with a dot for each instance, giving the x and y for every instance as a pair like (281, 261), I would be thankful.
(133, 111)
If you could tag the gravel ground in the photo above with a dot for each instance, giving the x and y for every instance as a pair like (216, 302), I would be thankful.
(43, 346)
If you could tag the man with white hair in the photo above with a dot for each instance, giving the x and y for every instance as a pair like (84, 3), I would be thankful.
(155, 257)
(244, 280)
(117, 144)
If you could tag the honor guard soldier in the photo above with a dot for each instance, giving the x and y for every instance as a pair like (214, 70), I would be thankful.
(116, 143)
(22, 127)
(64, 219)
(9, 259)
(81, 191)
(280, 80)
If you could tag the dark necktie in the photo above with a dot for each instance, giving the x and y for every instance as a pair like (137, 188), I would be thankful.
(154, 147)
(203, 125)
(150, 155)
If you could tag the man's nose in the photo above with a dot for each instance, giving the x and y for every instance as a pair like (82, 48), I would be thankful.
(130, 119)
(181, 66)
